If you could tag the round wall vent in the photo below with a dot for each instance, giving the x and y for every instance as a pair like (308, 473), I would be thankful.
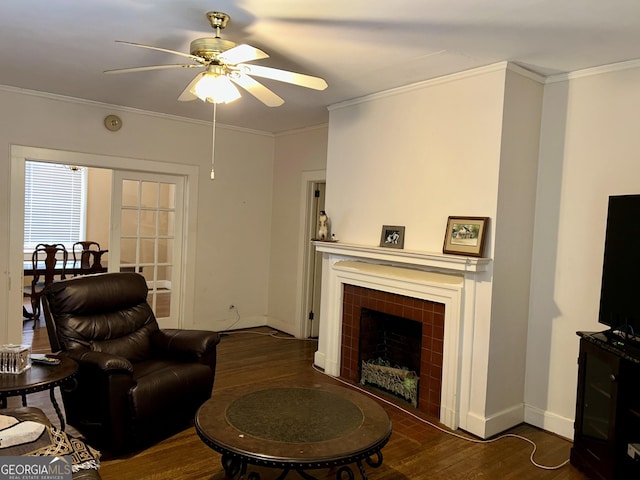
(113, 122)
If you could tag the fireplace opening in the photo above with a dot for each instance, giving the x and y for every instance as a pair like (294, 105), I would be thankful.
(430, 315)
(389, 353)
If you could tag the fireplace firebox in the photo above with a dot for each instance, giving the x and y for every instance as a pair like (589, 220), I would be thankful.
(406, 332)
(390, 353)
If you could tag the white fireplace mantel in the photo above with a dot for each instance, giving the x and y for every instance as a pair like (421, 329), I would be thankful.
(448, 279)
(395, 256)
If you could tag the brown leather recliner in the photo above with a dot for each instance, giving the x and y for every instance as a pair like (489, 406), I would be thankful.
(136, 383)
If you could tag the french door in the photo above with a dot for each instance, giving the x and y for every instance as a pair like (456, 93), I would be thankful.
(146, 237)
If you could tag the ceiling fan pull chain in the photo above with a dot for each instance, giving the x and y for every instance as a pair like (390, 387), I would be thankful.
(213, 140)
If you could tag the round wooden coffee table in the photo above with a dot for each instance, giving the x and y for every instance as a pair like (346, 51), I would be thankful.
(36, 379)
(299, 428)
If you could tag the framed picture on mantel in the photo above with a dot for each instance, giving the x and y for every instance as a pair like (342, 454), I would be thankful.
(465, 236)
(392, 236)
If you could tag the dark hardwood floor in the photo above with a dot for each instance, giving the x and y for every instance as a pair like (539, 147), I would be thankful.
(416, 450)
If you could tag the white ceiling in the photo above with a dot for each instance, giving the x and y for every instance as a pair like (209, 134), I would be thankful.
(358, 46)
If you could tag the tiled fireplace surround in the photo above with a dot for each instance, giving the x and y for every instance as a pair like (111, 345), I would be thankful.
(429, 314)
(444, 285)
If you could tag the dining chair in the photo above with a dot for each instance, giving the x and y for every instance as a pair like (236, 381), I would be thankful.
(82, 259)
(49, 263)
(91, 262)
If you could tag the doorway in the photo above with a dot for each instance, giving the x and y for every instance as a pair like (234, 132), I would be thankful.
(188, 206)
(315, 203)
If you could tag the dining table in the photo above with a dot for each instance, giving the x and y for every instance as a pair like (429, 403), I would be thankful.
(71, 268)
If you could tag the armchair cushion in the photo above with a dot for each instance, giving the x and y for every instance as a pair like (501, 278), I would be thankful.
(134, 345)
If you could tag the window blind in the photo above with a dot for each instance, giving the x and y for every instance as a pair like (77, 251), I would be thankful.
(54, 204)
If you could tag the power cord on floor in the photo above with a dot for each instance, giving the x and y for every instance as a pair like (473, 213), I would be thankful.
(411, 414)
(448, 432)
(422, 420)
(264, 334)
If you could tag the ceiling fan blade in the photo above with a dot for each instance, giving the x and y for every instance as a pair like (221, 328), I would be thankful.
(188, 55)
(186, 95)
(152, 67)
(242, 53)
(258, 90)
(284, 76)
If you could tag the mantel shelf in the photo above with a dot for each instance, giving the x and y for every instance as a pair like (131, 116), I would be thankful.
(407, 257)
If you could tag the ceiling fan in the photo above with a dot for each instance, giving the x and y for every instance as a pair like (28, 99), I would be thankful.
(224, 68)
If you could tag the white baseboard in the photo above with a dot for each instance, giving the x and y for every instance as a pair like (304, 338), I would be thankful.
(549, 421)
(319, 359)
(283, 326)
(485, 427)
(232, 323)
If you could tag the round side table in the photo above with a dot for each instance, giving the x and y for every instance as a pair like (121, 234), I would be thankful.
(36, 379)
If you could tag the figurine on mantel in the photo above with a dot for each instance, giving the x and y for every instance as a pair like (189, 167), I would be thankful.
(323, 228)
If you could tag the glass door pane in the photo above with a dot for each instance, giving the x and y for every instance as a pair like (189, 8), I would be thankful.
(148, 234)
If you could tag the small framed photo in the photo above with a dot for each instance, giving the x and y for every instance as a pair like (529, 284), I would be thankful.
(465, 236)
(392, 236)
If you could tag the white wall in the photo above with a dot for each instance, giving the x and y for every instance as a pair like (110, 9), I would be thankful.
(233, 212)
(233, 231)
(461, 145)
(513, 241)
(98, 203)
(415, 156)
(298, 155)
(589, 150)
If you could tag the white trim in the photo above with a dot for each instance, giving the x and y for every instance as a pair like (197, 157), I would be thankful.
(13, 326)
(549, 421)
(520, 70)
(454, 77)
(588, 72)
(20, 153)
(119, 108)
(432, 260)
(486, 427)
(437, 287)
(297, 131)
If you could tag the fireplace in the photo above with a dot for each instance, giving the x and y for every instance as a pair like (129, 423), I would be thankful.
(455, 284)
(404, 331)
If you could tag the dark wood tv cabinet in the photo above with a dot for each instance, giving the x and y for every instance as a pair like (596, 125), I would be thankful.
(607, 407)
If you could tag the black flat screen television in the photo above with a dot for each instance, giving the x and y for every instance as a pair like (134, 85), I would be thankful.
(620, 290)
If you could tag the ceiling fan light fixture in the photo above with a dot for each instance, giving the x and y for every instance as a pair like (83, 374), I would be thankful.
(215, 88)
(225, 67)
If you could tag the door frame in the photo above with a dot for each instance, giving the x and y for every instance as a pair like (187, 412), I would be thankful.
(307, 216)
(21, 153)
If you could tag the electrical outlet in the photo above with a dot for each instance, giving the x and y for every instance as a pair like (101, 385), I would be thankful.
(232, 307)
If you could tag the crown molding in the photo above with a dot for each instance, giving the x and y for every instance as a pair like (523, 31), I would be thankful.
(588, 72)
(310, 128)
(131, 110)
(421, 85)
(474, 72)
